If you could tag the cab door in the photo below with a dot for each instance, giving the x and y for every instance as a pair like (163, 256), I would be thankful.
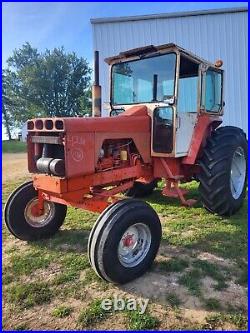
(187, 103)
(163, 124)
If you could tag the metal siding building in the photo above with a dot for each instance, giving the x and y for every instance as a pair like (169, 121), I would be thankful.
(211, 34)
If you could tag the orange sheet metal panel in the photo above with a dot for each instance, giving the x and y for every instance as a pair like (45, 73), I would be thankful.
(174, 165)
(53, 184)
(31, 154)
(62, 185)
(79, 154)
(202, 130)
(108, 124)
(103, 178)
(96, 206)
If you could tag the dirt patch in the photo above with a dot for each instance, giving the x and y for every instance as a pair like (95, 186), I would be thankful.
(40, 317)
(215, 259)
(234, 295)
(14, 166)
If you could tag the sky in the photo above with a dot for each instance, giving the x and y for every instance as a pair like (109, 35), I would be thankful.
(55, 24)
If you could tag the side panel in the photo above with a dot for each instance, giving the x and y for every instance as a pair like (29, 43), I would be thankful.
(79, 154)
(31, 154)
(205, 124)
(186, 123)
(174, 165)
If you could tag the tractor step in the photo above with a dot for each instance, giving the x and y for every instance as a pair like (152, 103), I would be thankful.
(173, 190)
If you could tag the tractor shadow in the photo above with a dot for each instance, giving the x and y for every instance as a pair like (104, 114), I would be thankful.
(157, 199)
(66, 240)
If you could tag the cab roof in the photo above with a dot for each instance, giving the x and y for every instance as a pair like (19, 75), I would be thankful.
(151, 49)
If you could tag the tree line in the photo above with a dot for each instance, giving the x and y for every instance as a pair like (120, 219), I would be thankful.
(44, 84)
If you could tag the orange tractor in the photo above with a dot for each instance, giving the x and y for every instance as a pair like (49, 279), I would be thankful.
(166, 108)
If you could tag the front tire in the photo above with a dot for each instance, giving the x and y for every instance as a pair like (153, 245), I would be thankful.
(21, 221)
(224, 171)
(125, 241)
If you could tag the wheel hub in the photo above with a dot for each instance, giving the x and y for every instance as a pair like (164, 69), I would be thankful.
(35, 211)
(134, 245)
(128, 240)
(37, 218)
(238, 173)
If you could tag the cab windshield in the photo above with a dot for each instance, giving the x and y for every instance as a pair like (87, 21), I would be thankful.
(143, 81)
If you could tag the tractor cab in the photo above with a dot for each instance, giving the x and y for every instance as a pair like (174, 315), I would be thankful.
(175, 85)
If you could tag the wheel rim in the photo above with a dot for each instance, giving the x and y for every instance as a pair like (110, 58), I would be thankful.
(134, 245)
(41, 220)
(238, 173)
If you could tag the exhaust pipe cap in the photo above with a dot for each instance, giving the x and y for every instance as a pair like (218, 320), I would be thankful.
(57, 167)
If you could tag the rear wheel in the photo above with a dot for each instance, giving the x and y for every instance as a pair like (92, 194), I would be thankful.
(140, 190)
(125, 241)
(224, 171)
(21, 219)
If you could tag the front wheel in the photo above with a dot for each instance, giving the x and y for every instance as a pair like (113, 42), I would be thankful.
(21, 220)
(124, 241)
(224, 171)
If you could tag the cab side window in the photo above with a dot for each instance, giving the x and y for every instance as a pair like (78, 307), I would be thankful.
(188, 86)
(213, 91)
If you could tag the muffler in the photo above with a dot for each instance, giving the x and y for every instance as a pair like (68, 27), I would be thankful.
(54, 166)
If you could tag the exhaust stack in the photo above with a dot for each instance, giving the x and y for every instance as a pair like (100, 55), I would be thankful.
(96, 89)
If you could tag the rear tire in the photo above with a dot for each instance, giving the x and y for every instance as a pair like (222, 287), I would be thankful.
(140, 190)
(25, 226)
(224, 171)
(124, 241)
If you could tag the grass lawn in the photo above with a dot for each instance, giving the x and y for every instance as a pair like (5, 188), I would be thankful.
(198, 281)
(13, 146)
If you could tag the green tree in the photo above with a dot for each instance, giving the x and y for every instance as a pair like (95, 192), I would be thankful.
(8, 101)
(52, 83)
